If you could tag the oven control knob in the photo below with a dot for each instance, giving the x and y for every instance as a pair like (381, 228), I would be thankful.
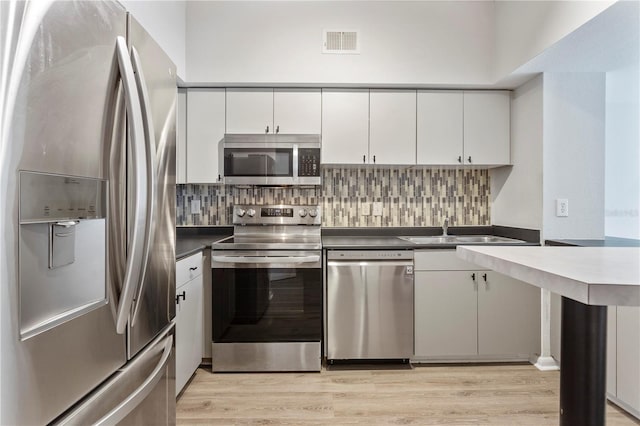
(313, 212)
(240, 212)
(251, 212)
(302, 212)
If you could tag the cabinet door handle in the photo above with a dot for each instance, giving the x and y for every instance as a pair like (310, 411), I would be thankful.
(364, 158)
(460, 159)
(374, 159)
(183, 295)
(484, 276)
(278, 129)
(219, 178)
(193, 268)
(267, 130)
(469, 159)
(473, 276)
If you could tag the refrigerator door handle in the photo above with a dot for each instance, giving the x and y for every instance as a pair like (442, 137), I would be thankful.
(150, 140)
(136, 130)
(135, 398)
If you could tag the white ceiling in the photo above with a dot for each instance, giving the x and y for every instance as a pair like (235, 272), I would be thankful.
(607, 42)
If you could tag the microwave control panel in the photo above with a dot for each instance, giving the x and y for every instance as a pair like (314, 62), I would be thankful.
(308, 162)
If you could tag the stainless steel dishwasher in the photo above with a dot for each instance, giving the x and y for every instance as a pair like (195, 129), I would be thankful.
(369, 304)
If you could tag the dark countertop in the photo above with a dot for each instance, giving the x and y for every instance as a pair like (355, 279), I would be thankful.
(387, 238)
(190, 240)
(606, 242)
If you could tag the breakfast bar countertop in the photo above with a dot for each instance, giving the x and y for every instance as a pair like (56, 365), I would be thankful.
(590, 275)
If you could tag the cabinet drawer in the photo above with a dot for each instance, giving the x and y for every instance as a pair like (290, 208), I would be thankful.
(188, 269)
(441, 260)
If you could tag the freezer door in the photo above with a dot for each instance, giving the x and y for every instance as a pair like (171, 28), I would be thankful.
(141, 393)
(60, 87)
(154, 305)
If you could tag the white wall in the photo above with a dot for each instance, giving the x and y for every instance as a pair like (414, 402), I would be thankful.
(622, 153)
(412, 43)
(573, 154)
(573, 163)
(524, 29)
(517, 191)
(166, 22)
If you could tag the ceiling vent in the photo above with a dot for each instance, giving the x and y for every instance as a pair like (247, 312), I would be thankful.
(340, 42)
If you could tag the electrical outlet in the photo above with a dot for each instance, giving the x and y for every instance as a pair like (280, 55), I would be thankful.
(365, 209)
(562, 207)
(377, 208)
(195, 206)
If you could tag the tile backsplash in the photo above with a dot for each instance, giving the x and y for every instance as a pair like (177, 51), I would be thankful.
(409, 196)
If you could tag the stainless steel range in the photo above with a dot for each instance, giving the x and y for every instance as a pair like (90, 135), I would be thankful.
(267, 291)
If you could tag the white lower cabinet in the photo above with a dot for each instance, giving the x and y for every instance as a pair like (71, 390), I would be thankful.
(446, 312)
(469, 314)
(623, 358)
(189, 319)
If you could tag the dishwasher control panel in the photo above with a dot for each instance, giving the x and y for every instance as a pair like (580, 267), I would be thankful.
(370, 255)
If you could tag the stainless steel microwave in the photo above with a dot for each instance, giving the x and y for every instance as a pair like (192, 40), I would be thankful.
(256, 159)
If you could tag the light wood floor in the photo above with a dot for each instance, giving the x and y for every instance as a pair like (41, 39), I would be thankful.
(436, 395)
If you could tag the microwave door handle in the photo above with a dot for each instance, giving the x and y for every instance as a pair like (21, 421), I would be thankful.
(266, 259)
(150, 144)
(139, 188)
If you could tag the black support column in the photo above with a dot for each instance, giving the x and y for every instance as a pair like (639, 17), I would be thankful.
(583, 367)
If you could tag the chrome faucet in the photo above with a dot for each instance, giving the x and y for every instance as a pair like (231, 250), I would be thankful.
(445, 226)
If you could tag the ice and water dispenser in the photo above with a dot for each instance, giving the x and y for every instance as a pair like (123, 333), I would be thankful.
(62, 249)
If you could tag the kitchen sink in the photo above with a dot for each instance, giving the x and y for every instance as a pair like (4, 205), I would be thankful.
(432, 240)
(462, 239)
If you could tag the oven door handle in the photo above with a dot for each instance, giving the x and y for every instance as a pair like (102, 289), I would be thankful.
(266, 259)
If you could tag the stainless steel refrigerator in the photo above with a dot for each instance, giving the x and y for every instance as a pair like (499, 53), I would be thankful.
(87, 237)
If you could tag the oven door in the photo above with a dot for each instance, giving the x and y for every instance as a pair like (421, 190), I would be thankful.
(266, 296)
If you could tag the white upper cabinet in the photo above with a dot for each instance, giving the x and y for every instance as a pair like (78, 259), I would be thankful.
(205, 131)
(487, 128)
(392, 127)
(181, 137)
(284, 111)
(345, 126)
(470, 128)
(439, 123)
(297, 111)
(249, 110)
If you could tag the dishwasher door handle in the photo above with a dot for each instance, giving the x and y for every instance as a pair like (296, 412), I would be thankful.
(339, 263)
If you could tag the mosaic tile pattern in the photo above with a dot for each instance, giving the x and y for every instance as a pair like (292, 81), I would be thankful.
(409, 196)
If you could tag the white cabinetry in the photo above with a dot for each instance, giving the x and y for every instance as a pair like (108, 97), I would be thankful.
(462, 313)
(345, 126)
(624, 349)
(181, 137)
(439, 120)
(205, 132)
(446, 309)
(487, 128)
(189, 318)
(471, 128)
(508, 316)
(286, 111)
(392, 127)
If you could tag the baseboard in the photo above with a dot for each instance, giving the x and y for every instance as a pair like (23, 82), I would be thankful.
(546, 363)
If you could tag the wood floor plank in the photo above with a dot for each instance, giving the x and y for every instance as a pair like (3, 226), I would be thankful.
(511, 394)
